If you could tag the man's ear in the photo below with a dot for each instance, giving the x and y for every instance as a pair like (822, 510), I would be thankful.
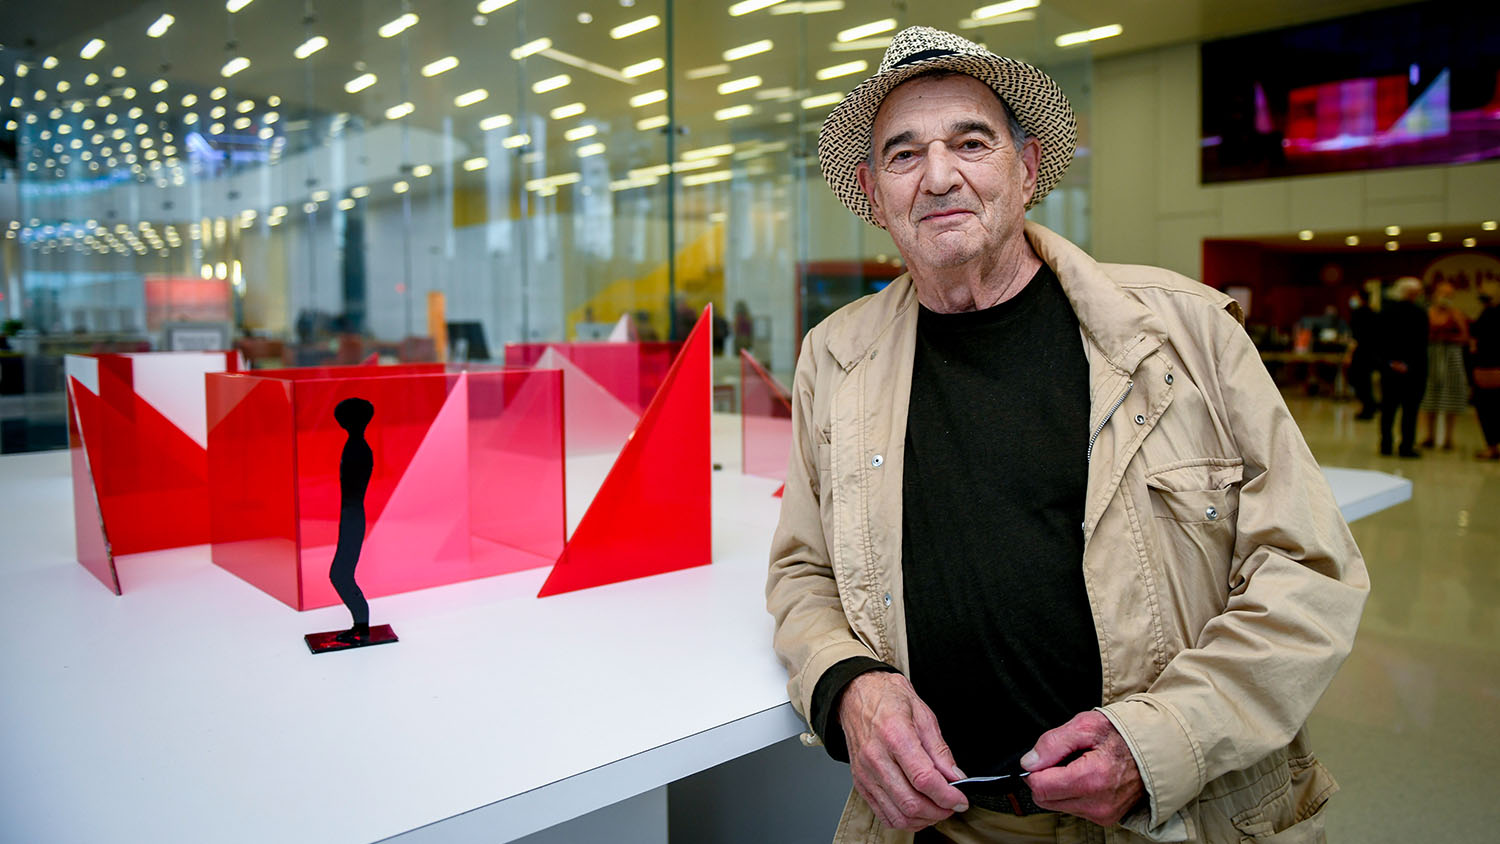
(866, 178)
(1031, 158)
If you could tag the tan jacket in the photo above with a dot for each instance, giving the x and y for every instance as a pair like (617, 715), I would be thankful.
(1224, 584)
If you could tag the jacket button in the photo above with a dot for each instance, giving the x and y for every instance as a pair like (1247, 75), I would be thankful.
(1169, 377)
(887, 599)
(1139, 419)
(1212, 513)
(876, 461)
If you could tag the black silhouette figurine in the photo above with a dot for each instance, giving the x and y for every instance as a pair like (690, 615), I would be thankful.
(355, 465)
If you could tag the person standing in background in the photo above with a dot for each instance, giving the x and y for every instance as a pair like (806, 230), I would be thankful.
(1447, 393)
(1485, 336)
(1361, 358)
(1403, 363)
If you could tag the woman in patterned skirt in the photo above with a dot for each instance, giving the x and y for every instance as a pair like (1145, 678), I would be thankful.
(1447, 383)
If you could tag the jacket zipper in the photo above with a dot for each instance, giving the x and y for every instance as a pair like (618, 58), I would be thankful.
(1089, 458)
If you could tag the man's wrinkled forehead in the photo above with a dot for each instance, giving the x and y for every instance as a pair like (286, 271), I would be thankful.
(958, 125)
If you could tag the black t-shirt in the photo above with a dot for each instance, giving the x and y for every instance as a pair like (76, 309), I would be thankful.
(1000, 635)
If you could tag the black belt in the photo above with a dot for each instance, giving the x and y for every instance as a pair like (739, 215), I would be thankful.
(1018, 803)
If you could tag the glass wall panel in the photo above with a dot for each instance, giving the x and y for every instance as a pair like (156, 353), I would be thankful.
(430, 179)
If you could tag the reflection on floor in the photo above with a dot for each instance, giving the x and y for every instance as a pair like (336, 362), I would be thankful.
(1410, 725)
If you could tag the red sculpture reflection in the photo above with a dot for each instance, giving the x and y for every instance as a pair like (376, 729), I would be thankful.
(765, 421)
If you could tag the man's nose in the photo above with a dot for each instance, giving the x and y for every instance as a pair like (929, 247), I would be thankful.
(941, 173)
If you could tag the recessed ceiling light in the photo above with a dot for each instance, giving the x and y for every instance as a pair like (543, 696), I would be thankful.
(235, 5)
(708, 71)
(747, 50)
(736, 85)
(216, 94)
(531, 48)
(492, 6)
(1434, 237)
(590, 149)
(998, 9)
(469, 98)
(234, 65)
(585, 18)
(1073, 39)
(1488, 225)
(578, 133)
(822, 100)
(842, 69)
(516, 141)
(1391, 246)
(359, 83)
(396, 112)
(1392, 231)
(1351, 240)
(494, 122)
(422, 171)
(51, 61)
(866, 30)
(745, 7)
(648, 98)
(648, 123)
(398, 26)
(733, 112)
(1305, 234)
(569, 110)
(442, 65)
(1469, 241)
(310, 46)
(401, 187)
(643, 68)
(551, 83)
(635, 27)
(160, 27)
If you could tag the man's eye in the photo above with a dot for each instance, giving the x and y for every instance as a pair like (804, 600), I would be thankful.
(971, 144)
(902, 155)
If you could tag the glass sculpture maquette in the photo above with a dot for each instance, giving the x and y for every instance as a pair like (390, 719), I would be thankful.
(138, 444)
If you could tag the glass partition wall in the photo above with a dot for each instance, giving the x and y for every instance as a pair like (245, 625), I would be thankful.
(319, 182)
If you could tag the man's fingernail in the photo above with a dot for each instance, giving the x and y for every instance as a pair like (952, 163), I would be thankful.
(961, 808)
(1030, 759)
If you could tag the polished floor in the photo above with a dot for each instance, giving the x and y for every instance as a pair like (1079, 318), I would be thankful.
(1411, 725)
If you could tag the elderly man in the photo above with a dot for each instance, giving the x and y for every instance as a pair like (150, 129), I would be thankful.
(1046, 520)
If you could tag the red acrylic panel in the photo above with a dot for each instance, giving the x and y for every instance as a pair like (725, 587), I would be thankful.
(142, 440)
(653, 514)
(765, 421)
(607, 386)
(467, 479)
(88, 521)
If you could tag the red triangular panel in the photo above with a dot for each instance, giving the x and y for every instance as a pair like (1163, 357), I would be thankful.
(653, 513)
(88, 524)
(780, 491)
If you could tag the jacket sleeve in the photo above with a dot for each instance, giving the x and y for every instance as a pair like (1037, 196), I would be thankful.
(1296, 590)
(812, 632)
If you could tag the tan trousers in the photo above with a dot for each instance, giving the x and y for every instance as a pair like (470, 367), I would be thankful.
(980, 826)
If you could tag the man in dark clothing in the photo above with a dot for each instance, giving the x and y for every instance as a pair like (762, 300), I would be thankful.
(1403, 364)
(1363, 326)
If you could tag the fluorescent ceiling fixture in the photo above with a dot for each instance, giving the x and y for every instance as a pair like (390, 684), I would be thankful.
(160, 27)
(530, 48)
(706, 72)
(91, 79)
(1305, 234)
(398, 26)
(51, 62)
(585, 64)
(551, 83)
(1393, 231)
(489, 6)
(648, 98)
(643, 68)
(843, 69)
(998, 9)
(737, 85)
(866, 30)
(745, 7)
(516, 141)
(569, 110)
(635, 27)
(734, 111)
(1013, 17)
(745, 51)
(396, 112)
(1469, 241)
(809, 8)
(1488, 225)
(92, 48)
(63, 86)
(628, 184)
(590, 149)
(310, 46)
(707, 152)
(245, 106)
(1073, 39)
(1391, 246)
(782, 93)
(236, 5)
(401, 187)
(117, 71)
(468, 98)
(422, 171)
(648, 123)
(707, 178)
(1434, 237)
(478, 163)
(578, 133)
(320, 196)
(1351, 240)
(359, 83)
(494, 122)
(822, 100)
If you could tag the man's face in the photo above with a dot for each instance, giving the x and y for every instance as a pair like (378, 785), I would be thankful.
(947, 181)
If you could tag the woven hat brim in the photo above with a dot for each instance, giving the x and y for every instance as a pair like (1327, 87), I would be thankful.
(1036, 100)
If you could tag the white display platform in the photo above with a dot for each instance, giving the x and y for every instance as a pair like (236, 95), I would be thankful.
(189, 709)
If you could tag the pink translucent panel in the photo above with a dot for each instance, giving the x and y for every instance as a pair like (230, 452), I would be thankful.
(765, 421)
(631, 372)
(467, 478)
(653, 514)
(142, 436)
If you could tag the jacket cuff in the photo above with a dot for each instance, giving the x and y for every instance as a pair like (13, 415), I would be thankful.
(803, 688)
(1169, 762)
(824, 715)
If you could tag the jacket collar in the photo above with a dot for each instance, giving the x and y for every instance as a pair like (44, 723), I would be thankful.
(1123, 329)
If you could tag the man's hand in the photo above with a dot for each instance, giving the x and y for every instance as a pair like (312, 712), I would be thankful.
(901, 764)
(1101, 785)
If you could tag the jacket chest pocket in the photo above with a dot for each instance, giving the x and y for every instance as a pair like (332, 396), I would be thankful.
(1194, 504)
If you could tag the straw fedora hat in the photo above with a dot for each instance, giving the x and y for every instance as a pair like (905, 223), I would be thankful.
(1037, 102)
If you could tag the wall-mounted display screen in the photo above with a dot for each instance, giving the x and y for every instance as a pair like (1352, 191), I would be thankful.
(1410, 85)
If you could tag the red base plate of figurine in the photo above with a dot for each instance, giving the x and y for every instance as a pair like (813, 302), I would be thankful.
(322, 643)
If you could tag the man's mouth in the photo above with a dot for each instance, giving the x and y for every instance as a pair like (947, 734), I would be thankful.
(945, 213)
